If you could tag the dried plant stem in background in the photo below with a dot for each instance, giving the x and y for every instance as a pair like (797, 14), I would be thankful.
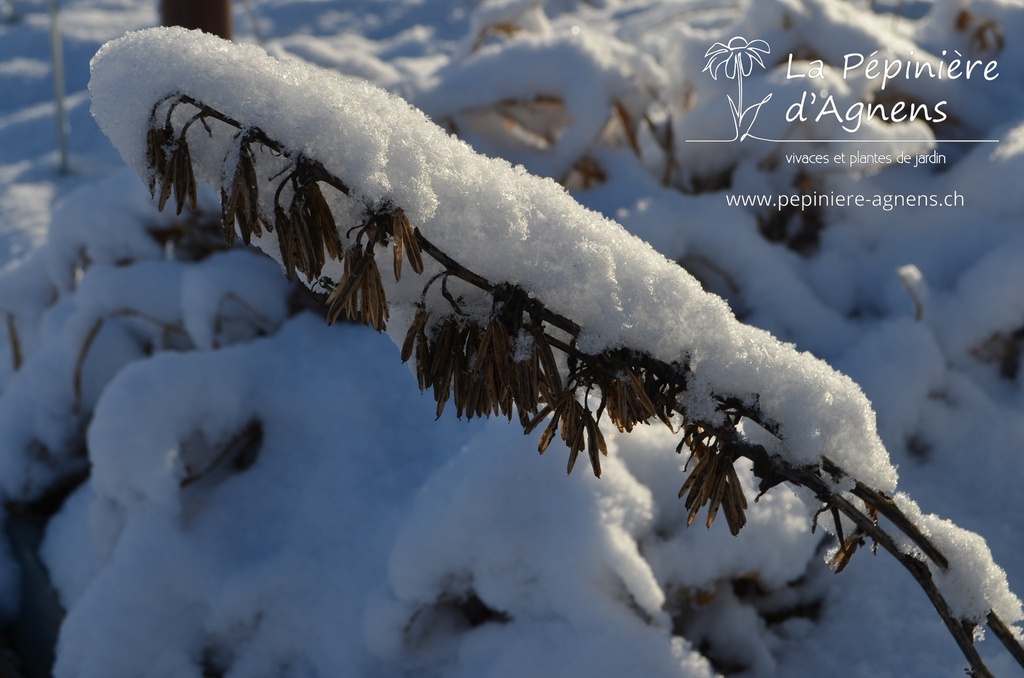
(90, 338)
(15, 341)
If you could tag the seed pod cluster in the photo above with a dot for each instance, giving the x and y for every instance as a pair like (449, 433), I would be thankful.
(536, 379)
(507, 365)
(713, 481)
(170, 160)
(634, 389)
(306, 231)
(239, 197)
(626, 401)
(577, 426)
(361, 294)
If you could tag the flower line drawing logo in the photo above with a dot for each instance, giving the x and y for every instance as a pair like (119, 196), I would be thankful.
(736, 60)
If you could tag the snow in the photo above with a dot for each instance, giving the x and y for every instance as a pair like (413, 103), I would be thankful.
(267, 495)
(971, 585)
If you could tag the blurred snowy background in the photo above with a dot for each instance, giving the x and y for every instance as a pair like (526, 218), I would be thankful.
(333, 527)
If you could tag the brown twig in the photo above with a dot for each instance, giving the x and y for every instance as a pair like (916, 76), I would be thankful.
(1006, 637)
(262, 321)
(918, 569)
(12, 334)
(90, 337)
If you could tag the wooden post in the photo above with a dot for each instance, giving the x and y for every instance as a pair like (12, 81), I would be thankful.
(210, 16)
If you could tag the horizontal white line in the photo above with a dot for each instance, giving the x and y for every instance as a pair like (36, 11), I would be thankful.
(849, 141)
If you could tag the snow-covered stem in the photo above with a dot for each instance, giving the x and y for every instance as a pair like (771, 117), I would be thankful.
(1006, 637)
(867, 526)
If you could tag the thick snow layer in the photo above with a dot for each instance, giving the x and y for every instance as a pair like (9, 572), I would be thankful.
(498, 221)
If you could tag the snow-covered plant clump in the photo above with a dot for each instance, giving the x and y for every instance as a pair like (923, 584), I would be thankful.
(262, 498)
(326, 173)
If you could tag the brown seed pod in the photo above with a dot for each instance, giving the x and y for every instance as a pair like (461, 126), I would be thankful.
(414, 333)
(320, 221)
(526, 387)
(286, 242)
(550, 377)
(361, 295)
(494, 370)
(446, 361)
(464, 391)
(240, 199)
(179, 176)
(405, 243)
(309, 251)
(578, 429)
(157, 139)
(713, 481)
(627, 402)
(596, 446)
(844, 552)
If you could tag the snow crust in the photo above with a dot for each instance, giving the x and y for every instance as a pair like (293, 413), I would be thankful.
(972, 585)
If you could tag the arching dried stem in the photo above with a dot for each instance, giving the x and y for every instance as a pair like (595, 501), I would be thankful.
(83, 352)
